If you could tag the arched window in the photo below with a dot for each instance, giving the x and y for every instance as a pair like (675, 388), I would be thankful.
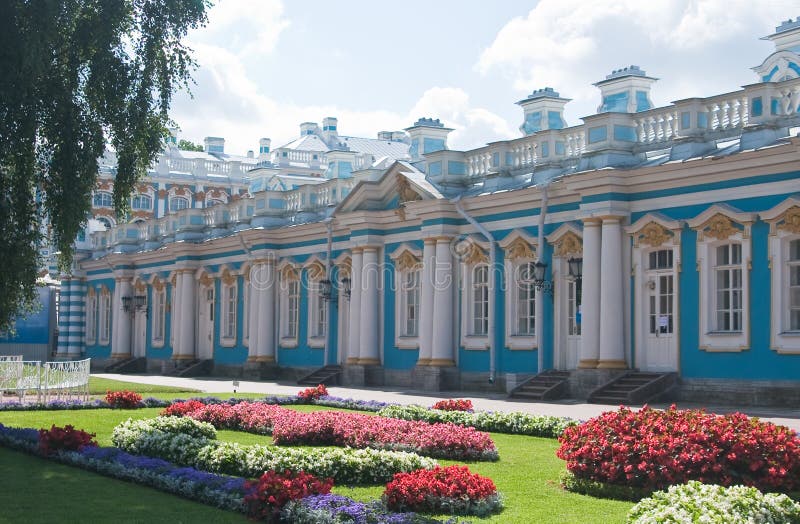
(213, 202)
(141, 202)
(106, 222)
(102, 199)
(178, 203)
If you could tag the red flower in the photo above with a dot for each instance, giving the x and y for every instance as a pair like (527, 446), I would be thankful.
(123, 399)
(310, 394)
(267, 495)
(429, 489)
(457, 404)
(67, 438)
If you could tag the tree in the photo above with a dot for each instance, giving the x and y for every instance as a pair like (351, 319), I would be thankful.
(187, 145)
(78, 75)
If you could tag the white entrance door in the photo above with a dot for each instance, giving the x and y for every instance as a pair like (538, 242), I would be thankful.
(661, 347)
(205, 324)
(573, 327)
(140, 334)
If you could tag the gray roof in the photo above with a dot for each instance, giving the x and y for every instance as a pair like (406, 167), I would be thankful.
(376, 147)
(307, 143)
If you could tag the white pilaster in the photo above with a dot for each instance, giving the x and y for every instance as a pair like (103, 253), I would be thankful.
(188, 292)
(253, 304)
(368, 352)
(426, 302)
(355, 307)
(123, 328)
(443, 310)
(612, 304)
(266, 313)
(590, 302)
(66, 296)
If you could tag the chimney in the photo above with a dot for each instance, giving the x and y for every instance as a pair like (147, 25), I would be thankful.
(542, 110)
(250, 153)
(329, 133)
(214, 144)
(172, 139)
(309, 128)
(263, 148)
(625, 90)
(384, 135)
(427, 135)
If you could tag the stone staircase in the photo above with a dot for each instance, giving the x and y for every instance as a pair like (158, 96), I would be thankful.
(635, 387)
(547, 385)
(129, 365)
(328, 375)
(191, 368)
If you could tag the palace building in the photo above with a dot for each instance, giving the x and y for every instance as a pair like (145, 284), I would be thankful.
(657, 243)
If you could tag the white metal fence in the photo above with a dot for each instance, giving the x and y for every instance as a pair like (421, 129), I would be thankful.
(46, 380)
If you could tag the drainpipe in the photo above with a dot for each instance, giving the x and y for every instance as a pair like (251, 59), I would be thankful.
(328, 267)
(493, 264)
(539, 251)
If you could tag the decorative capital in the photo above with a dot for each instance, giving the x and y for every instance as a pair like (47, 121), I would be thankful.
(228, 278)
(158, 284)
(206, 280)
(140, 286)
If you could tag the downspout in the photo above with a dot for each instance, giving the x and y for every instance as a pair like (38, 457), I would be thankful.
(539, 251)
(493, 265)
(328, 274)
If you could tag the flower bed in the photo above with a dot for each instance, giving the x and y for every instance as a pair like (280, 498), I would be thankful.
(453, 489)
(732, 505)
(335, 509)
(192, 443)
(454, 404)
(216, 490)
(62, 404)
(511, 423)
(289, 427)
(310, 394)
(653, 449)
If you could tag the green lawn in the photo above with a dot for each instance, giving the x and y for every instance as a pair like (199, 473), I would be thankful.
(526, 475)
(99, 386)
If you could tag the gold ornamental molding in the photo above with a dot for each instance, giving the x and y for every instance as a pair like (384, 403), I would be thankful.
(519, 249)
(718, 227)
(790, 221)
(653, 235)
(473, 255)
(316, 270)
(206, 280)
(407, 262)
(105, 185)
(405, 191)
(158, 284)
(228, 278)
(140, 286)
(721, 222)
(90, 292)
(289, 274)
(569, 245)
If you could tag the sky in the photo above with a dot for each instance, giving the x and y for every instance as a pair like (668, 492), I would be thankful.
(265, 66)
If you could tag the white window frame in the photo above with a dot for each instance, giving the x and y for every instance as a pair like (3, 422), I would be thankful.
(228, 320)
(403, 338)
(109, 196)
(140, 196)
(514, 338)
(91, 319)
(784, 338)
(105, 318)
(711, 338)
(159, 326)
(469, 339)
(173, 209)
(289, 306)
(317, 313)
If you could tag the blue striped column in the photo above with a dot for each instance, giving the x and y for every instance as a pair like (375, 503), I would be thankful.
(64, 303)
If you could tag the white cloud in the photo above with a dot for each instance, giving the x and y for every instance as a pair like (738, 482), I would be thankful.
(243, 26)
(697, 47)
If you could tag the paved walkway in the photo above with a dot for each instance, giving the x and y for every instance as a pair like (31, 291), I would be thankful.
(481, 401)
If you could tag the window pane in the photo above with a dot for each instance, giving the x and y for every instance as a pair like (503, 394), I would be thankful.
(723, 258)
(794, 250)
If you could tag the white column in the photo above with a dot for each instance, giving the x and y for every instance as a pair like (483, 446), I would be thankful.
(590, 301)
(443, 309)
(369, 350)
(612, 302)
(266, 313)
(254, 301)
(426, 303)
(63, 319)
(354, 345)
(123, 328)
(175, 314)
(188, 291)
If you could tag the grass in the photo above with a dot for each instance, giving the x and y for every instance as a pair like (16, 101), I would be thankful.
(99, 386)
(526, 474)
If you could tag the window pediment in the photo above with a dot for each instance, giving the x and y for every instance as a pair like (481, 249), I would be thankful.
(720, 222)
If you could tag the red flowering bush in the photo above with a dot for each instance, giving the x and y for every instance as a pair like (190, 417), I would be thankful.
(67, 438)
(310, 394)
(653, 449)
(454, 404)
(123, 399)
(452, 489)
(180, 409)
(267, 495)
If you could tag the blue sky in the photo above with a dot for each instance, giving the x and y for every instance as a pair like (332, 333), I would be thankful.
(267, 65)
